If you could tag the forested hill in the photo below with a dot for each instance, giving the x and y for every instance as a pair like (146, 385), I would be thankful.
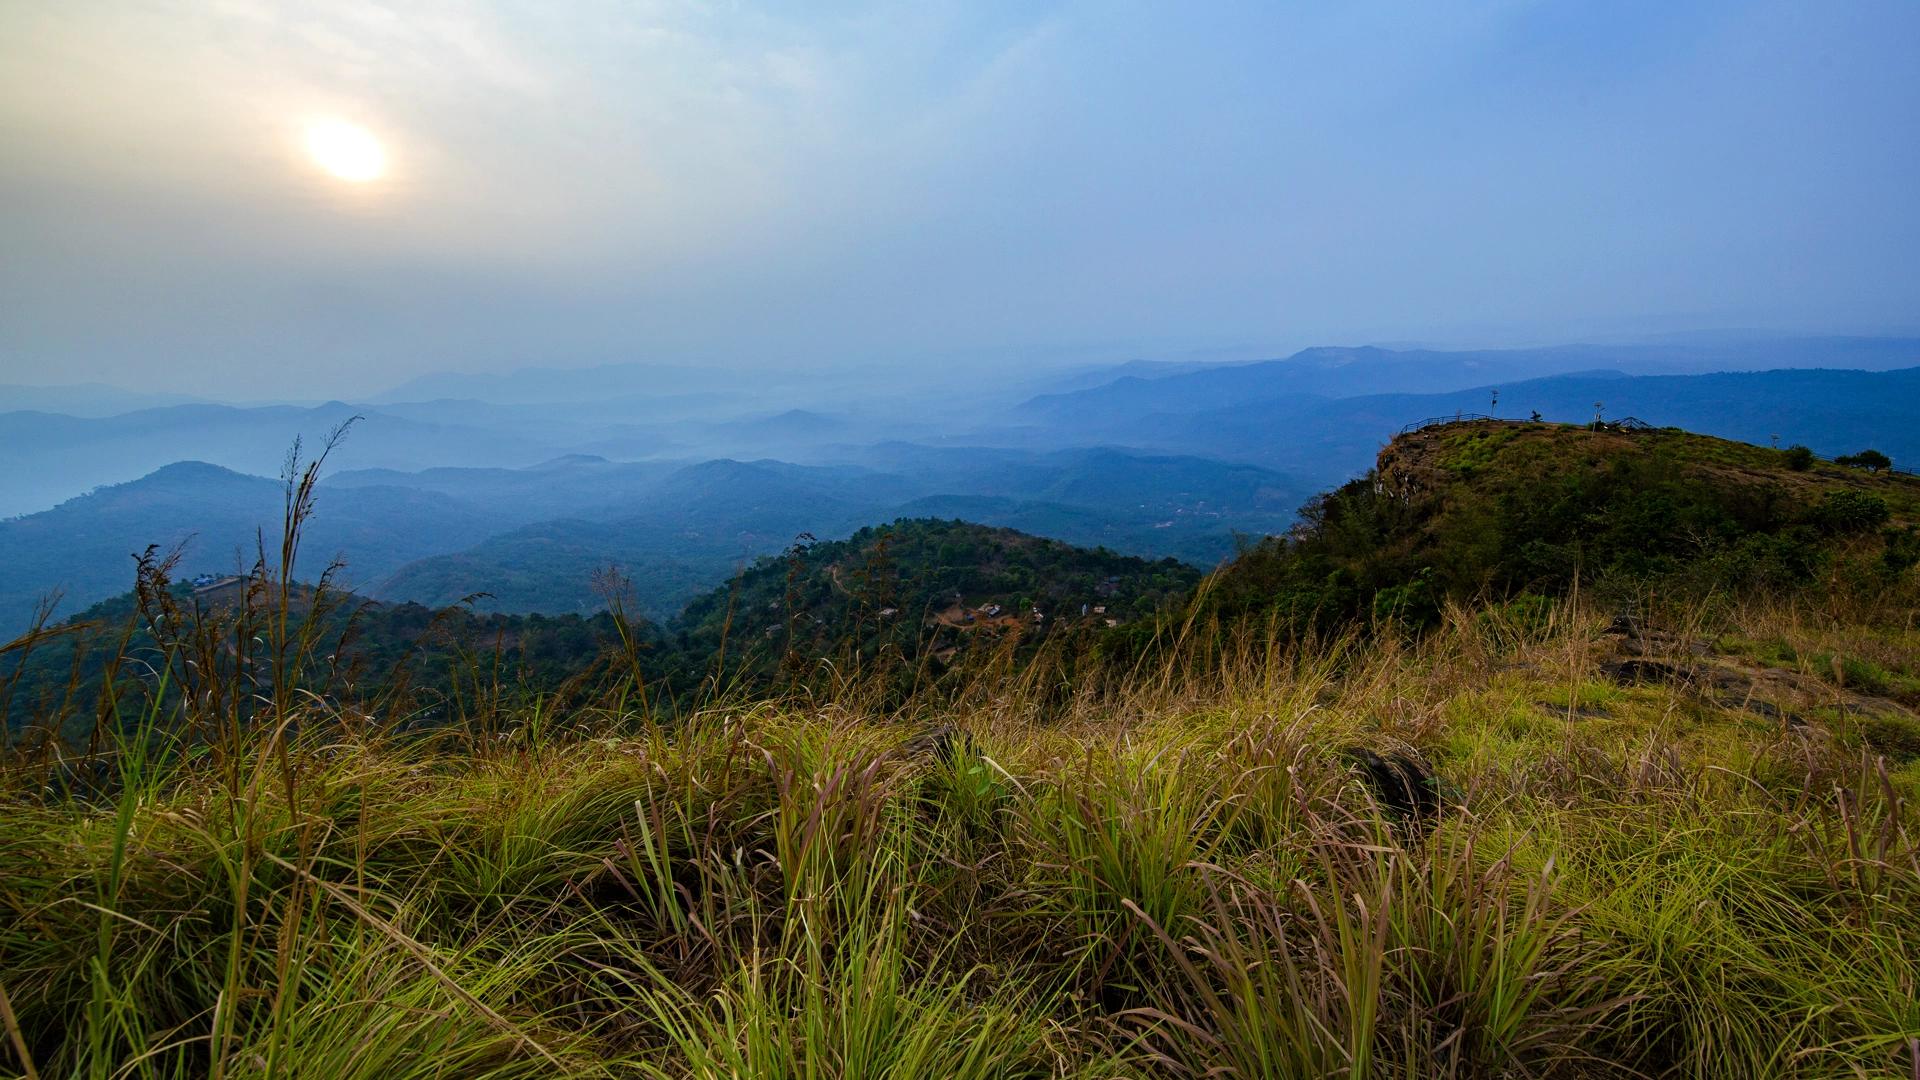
(922, 589)
(925, 587)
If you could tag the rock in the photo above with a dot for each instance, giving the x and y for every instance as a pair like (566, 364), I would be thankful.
(943, 742)
(1623, 626)
(1764, 708)
(1636, 671)
(1402, 784)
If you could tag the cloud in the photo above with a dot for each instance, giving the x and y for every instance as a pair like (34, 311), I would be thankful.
(826, 184)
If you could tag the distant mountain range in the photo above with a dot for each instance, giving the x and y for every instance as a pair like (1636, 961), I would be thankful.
(61, 441)
(1833, 412)
(1342, 372)
(84, 399)
(532, 538)
(49, 457)
(85, 547)
(681, 475)
(1300, 416)
(1451, 511)
(549, 386)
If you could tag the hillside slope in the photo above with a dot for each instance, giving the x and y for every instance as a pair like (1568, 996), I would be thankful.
(531, 538)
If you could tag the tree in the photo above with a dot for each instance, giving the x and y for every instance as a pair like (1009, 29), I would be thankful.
(1870, 460)
(1799, 458)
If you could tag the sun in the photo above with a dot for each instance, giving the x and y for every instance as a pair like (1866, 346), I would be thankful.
(348, 151)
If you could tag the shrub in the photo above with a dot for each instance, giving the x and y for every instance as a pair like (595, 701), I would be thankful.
(1525, 617)
(1798, 458)
(1761, 562)
(1847, 512)
(1903, 550)
(1415, 603)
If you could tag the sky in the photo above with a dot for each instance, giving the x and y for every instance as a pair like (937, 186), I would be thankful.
(811, 185)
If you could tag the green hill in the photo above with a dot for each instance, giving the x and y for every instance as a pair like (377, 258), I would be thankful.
(1492, 510)
(922, 588)
(913, 589)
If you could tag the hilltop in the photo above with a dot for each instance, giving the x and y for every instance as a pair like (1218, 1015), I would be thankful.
(923, 588)
(1472, 510)
(693, 527)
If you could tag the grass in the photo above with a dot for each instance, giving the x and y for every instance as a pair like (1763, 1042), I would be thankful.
(1175, 876)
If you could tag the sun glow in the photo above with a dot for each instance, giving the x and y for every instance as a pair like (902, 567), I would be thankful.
(347, 151)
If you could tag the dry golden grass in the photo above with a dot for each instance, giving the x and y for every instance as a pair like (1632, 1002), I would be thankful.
(1185, 872)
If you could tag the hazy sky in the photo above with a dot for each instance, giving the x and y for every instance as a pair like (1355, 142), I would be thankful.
(801, 184)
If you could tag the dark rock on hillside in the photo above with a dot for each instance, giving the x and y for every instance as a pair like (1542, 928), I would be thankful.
(1402, 784)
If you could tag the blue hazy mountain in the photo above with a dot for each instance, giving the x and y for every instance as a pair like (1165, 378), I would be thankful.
(536, 386)
(85, 547)
(572, 485)
(435, 500)
(1833, 412)
(533, 537)
(49, 457)
(1342, 372)
(85, 399)
(701, 523)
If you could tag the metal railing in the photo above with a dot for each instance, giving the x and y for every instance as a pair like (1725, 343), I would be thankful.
(1464, 417)
(1457, 418)
(1625, 423)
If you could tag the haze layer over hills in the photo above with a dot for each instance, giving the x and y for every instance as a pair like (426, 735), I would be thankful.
(520, 486)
